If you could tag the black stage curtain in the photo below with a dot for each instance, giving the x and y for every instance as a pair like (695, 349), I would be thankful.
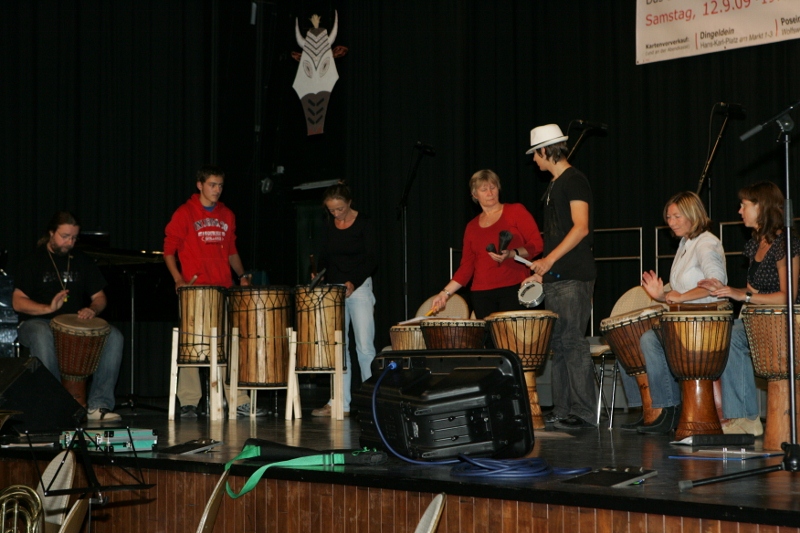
(110, 107)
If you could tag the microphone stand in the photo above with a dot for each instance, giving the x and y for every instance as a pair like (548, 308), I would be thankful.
(577, 142)
(402, 208)
(791, 450)
(708, 163)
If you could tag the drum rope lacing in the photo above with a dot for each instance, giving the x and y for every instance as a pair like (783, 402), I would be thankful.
(471, 466)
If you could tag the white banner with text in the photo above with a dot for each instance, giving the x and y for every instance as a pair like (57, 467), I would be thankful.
(669, 29)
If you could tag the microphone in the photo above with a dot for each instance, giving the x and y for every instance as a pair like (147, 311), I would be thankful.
(426, 149)
(734, 111)
(585, 124)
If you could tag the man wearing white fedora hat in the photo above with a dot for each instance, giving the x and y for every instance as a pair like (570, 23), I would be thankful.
(567, 272)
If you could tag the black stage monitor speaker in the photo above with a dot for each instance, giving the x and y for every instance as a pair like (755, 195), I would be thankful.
(441, 403)
(45, 405)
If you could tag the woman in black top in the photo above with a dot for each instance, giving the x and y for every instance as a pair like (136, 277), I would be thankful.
(349, 255)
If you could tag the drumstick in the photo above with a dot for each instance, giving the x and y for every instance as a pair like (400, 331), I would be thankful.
(191, 281)
(431, 312)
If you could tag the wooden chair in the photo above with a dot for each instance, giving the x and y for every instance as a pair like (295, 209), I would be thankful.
(77, 514)
(58, 475)
(212, 506)
(430, 519)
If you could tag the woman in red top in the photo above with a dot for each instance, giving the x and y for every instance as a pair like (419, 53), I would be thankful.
(495, 276)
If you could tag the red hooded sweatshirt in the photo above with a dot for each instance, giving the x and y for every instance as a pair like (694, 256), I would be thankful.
(203, 241)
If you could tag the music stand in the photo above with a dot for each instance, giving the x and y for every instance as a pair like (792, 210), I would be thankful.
(791, 450)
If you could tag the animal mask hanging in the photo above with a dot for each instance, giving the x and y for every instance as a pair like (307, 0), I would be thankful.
(317, 73)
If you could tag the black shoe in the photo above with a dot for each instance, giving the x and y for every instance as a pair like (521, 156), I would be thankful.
(552, 418)
(666, 422)
(573, 422)
(188, 411)
(634, 426)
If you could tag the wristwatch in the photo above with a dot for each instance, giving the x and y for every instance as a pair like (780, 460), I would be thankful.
(747, 296)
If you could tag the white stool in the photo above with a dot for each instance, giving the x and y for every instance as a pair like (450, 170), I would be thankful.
(337, 379)
(216, 378)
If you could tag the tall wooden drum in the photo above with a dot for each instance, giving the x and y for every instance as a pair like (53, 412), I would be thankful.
(262, 315)
(527, 334)
(319, 313)
(696, 347)
(453, 333)
(767, 335)
(407, 337)
(79, 345)
(201, 308)
(622, 333)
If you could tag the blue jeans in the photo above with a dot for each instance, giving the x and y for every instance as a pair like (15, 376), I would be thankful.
(359, 310)
(665, 390)
(739, 394)
(36, 335)
(573, 370)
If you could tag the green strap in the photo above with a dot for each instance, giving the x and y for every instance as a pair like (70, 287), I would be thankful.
(327, 459)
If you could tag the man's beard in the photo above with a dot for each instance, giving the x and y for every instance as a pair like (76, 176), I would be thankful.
(61, 252)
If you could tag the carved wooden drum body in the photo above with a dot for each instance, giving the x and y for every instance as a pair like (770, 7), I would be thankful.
(407, 337)
(201, 309)
(453, 333)
(767, 334)
(319, 313)
(696, 346)
(79, 344)
(527, 334)
(622, 333)
(262, 316)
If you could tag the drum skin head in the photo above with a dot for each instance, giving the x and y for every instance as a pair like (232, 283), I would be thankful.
(71, 321)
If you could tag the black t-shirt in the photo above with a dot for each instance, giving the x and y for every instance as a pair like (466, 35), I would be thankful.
(40, 280)
(349, 254)
(578, 263)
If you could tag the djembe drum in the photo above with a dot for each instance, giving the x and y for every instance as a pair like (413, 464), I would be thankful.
(696, 347)
(453, 333)
(527, 334)
(201, 308)
(407, 337)
(262, 315)
(319, 313)
(622, 333)
(766, 330)
(79, 344)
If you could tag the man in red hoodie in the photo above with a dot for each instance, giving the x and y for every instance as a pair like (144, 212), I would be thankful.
(202, 232)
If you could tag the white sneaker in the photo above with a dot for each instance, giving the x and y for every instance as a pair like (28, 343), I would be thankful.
(102, 414)
(742, 426)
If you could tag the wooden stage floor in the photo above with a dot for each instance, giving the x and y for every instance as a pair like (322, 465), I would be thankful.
(655, 505)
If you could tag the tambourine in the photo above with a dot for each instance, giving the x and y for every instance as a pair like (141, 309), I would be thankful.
(530, 294)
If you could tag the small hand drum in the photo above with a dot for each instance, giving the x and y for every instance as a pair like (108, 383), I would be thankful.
(767, 335)
(79, 344)
(530, 294)
(453, 334)
(696, 346)
(527, 334)
(622, 333)
(407, 337)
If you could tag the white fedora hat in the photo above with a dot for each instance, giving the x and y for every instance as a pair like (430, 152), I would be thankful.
(542, 136)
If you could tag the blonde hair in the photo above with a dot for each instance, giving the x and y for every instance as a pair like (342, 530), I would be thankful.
(691, 207)
(481, 177)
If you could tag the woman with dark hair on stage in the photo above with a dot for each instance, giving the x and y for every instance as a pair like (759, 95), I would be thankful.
(495, 275)
(700, 256)
(761, 208)
(349, 255)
